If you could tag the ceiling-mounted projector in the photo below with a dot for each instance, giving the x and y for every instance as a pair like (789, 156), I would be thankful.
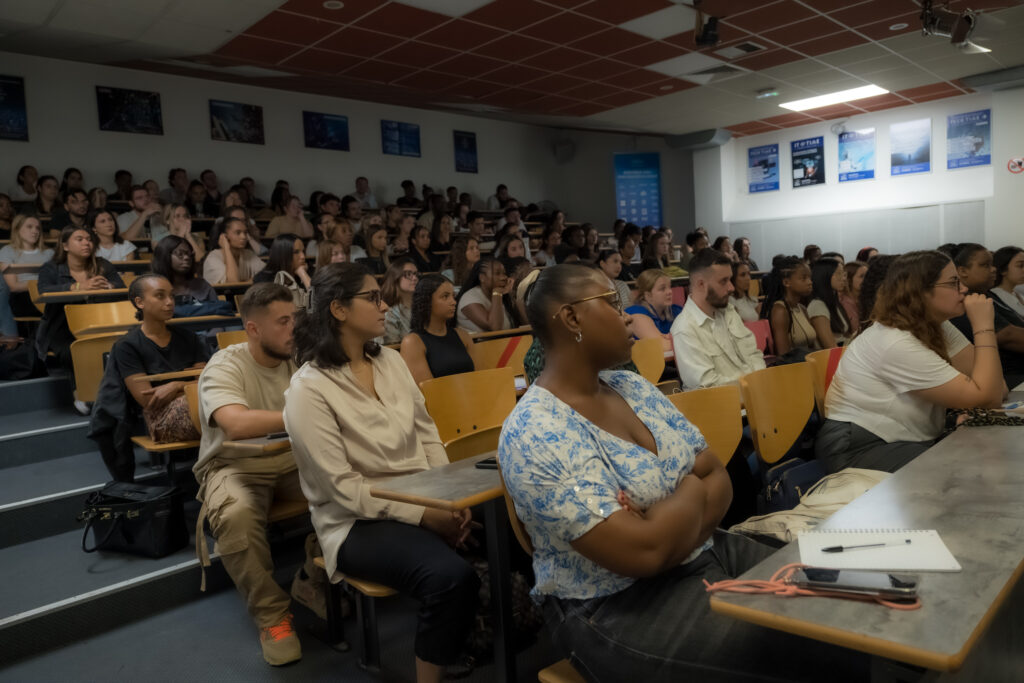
(967, 30)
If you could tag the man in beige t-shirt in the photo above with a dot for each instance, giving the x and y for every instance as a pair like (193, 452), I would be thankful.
(241, 396)
(232, 261)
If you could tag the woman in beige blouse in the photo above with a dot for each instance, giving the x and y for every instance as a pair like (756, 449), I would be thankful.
(356, 419)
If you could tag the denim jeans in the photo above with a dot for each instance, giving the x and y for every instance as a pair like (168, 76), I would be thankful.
(662, 629)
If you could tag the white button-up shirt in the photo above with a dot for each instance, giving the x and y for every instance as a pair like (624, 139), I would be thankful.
(711, 351)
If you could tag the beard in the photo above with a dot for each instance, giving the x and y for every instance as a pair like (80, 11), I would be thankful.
(275, 353)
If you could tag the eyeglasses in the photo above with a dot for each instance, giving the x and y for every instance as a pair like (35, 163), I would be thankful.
(371, 295)
(410, 274)
(611, 297)
(954, 283)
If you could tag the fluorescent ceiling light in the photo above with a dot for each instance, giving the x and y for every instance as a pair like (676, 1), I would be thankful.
(835, 98)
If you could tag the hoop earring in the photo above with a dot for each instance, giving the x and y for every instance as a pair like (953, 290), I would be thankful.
(579, 337)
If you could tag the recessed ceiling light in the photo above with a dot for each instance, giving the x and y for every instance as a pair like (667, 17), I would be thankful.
(835, 98)
(899, 27)
(333, 4)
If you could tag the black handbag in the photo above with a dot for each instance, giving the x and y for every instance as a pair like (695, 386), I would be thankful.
(136, 519)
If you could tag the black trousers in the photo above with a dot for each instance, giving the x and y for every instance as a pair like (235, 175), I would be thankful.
(417, 563)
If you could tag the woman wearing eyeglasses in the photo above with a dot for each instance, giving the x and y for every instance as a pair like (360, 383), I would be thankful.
(357, 419)
(887, 402)
(396, 290)
(621, 498)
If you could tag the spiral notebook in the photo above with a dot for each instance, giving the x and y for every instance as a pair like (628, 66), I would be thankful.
(925, 551)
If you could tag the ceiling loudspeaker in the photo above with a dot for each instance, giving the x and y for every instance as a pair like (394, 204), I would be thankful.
(702, 139)
(564, 150)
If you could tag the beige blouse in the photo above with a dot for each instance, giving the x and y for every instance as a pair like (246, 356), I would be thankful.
(345, 442)
(800, 327)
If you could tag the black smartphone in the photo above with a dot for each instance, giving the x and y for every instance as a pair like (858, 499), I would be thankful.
(277, 435)
(882, 584)
(488, 464)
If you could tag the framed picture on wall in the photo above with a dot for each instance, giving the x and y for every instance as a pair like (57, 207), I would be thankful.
(638, 188)
(465, 152)
(129, 111)
(857, 155)
(969, 139)
(13, 115)
(910, 147)
(763, 168)
(235, 122)
(325, 131)
(808, 160)
(402, 139)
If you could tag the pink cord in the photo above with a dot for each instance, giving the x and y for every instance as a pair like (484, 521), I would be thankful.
(777, 586)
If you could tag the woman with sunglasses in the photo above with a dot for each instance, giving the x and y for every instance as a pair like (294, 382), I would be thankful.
(357, 419)
(621, 498)
(396, 290)
(888, 399)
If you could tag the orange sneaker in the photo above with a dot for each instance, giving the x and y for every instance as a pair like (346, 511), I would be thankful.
(280, 644)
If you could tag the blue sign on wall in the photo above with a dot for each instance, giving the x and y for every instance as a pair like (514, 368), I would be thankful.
(638, 188)
(763, 168)
(400, 138)
(969, 139)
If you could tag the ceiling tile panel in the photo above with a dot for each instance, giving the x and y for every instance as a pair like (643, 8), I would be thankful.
(512, 15)
(591, 91)
(567, 4)
(515, 74)
(802, 31)
(609, 41)
(767, 59)
(626, 97)
(826, 44)
(412, 53)
(512, 98)
(835, 111)
(291, 28)
(513, 47)
(727, 35)
(665, 87)
(889, 104)
(650, 53)
(382, 72)
(469, 65)
(599, 69)
(880, 30)
(751, 127)
(938, 96)
(888, 99)
(356, 41)
(873, 11)
(927, 90)
(401, 20)
(257, 50)
(428, 81)
(460, 34)
(352, 10)
(563, 28)
(559, 59)
(585, 109)
(556, 83)
(728, 8)
(474, 88)
(793, 119)
(634, 77)
(322, 61)
(550, 103)
(620, 11)
(771, 16)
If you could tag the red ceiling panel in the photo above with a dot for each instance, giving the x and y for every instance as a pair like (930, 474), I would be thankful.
(513, 47)
(256, 50)
(512, 98)
(624, 98)
(428, 81)
(356, 41)
(751, 127)
(621, 11)
(556, 83)
(352, 9)
(665, 87)
(515, 74)
(291, 28)
(651, 53)
(609, 41)
(770, 16)
(767, 59)
(792, 119)
(469, 65)
(801, 31)
(401, 20)
(563, 27)
(322, 61)
(591, 91)
(550, 103)
(835, 111)
(937, 96)
(599, 69)
(475, 89)
(382, 72)
(873, 11)
(559, 59)
(416, 54)
(585, 109)
(461, 35)
(927, 90)
(567, 4)
(833, 5)
(727, 35)
(511, 15)
(880, 30)
(634, 78)
(727, 8)
(888, 99)
(826, 44)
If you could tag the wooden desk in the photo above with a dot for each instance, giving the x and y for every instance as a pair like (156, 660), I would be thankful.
(199, 321)
(81, 296)
(136, 266)
(968, 487)
(498, 334)
(22, 268)
(454, 487)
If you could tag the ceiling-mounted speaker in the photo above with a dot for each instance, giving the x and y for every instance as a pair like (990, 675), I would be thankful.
(564, 150)
(702, 139)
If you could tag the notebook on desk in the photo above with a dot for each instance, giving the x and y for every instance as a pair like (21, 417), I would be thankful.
(909, 550)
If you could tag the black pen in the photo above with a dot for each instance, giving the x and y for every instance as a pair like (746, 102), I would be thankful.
(843, 548)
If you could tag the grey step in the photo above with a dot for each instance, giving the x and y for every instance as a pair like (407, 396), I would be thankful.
(44, 434)
(34, 394)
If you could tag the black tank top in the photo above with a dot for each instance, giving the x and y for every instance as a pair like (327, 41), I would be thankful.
(446, 355)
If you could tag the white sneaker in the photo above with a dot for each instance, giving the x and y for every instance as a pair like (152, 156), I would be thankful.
(82, 407)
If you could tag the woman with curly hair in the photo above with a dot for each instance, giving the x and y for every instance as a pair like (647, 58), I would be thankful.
(465, 253)
(435, 347)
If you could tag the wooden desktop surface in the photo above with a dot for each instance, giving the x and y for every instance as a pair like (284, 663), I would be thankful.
(456, 486)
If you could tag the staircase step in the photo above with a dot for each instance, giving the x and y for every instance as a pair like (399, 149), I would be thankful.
(44, 434)
(34, 394)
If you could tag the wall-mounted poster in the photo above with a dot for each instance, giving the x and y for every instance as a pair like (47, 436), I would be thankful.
(857, 155)
(910, 147)
(808, 159)
(13, 117)
(763, 168)
(969, 139)
(465, 152)
(235, 122)
(638, 188)
(325, 131)
(400, 138)
(129, 111)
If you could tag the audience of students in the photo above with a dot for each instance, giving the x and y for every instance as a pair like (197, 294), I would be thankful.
(787, 290)
(610, 263)
(435, 347)
(483, 303)
(850, 297)
(748, 307)
(71, 213)
(866, 254)
(464, 254)
(293, 222)
(653, 313)
(286, 265)
(510, 246)
(175, 259)
(826, 313)
(375, 258)
(133, 223)
(1009, 265)
(25, 187)
(550, 241)
(420, 252)
(232, 260)
(26, 247)
(112, 246)
(97, 197)
(397, 289)
(47, 193)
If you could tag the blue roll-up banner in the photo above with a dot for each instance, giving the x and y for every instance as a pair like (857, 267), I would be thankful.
(638, 188)
(969, 139)
(763, 168)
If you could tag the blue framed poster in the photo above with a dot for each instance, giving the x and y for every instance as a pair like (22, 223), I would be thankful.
(13, 116)
(857, 155)
(465, 151)
(129, 111)
(969, 139)
(236, 122)
(808, 160)
(325, 131)
(638, 188)
(402, 139)
(910, 147)
(763, 168)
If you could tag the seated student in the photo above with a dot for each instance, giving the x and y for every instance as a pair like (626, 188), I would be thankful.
(241, 396)
(356, 419)
(287, 266)
(441, 233)
(397, 288)
(125, 396)
(653, 313)
(177, 187)
(178, 223)
(741, 247)
(330, 251)
(655, 254)
(232, 261)
(549, 242)
(293, 222)
(712, 345)
(435, 347)
(850, 297)
(352, 212)
(827, 315)
(591, 243)
(47, 197)
(24, 189)
(696, 242)
(785, 293)
(628, 251)
(71, 213)
(419, 250)
(874, 276)
(974, 267)
(123, 182)
(572, 242)
(375, 255)
(392, 215)
(723, 245)
(132, 223)
(510, 246)
(812, 252)
(888, 399)
(465, 253)
(26, 247)
(400, 243)
(609, 262)
(747, 306)
(1009, 265)
(174, 259)
(621, 498)
(112, 246)
(324, 225)
(483, 303)
(6, 216)
(409, 200)
(866, 254)
(9, 339)
(199, 203)
(74, 267)
(97, 198)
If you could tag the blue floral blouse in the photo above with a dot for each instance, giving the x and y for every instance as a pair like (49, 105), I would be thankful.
(564, 474)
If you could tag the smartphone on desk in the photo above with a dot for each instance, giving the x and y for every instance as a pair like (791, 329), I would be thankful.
(488, 464)
(888, 585)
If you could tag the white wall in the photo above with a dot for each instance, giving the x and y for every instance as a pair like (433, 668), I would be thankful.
(1004, 216)
(64, 131)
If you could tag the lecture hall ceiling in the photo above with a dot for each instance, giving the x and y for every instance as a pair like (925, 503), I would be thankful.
(608, 64)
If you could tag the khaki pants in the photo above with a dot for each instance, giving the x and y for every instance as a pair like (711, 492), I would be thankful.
(237, 497)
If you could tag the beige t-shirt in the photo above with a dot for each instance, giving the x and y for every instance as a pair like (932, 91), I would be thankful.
(214, 270)
(282, 225)
(345, 442)
(234, 377)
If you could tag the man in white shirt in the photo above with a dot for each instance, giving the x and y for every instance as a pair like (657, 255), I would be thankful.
(711, 343)
(132, 224)
(364, 194)
(498, 200)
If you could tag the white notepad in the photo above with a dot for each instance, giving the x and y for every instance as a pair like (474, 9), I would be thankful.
(925, 553)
